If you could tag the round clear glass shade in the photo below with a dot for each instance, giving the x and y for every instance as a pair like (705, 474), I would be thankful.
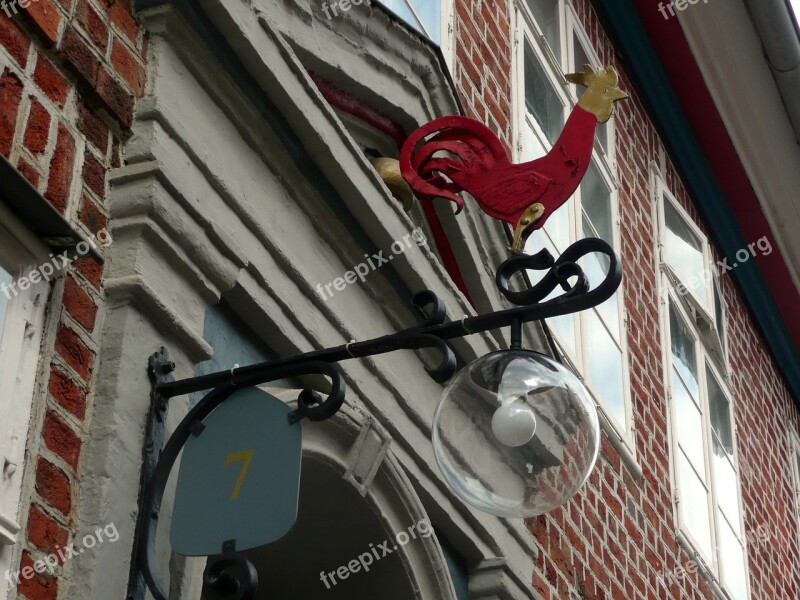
(516, 434)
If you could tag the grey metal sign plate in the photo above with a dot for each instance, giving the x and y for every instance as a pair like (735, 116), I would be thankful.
(239, 479)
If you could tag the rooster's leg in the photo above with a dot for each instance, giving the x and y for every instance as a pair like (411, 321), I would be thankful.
(522, 231)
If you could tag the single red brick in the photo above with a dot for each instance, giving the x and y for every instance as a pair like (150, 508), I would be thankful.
(66, 392)
(91, 216)
(29, 172)
(10, 98)
(93, 127)
(94, 174)
(14, 40)
(79, 304)
(121, 15)
(50, 81)
(59, 437)
(79, 57)
(38, 127)
(91, 271)
(76, 354)
(52, 484)
(61, 167)
(36, 586)
(94, 25)
(44, 532)
(45, 19)
(116, 99)
(128, 67)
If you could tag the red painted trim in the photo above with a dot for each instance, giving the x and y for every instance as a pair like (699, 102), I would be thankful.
(445, 250)
(698, 105)
(358, 108)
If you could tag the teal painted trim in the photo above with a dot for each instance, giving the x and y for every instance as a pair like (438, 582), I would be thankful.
(655, 86)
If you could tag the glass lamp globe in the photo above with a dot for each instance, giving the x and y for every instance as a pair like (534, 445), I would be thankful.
(516, 434)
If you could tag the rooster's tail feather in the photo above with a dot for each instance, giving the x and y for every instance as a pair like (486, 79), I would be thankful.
(473, 145)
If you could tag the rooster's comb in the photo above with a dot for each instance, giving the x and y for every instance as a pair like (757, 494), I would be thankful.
(608, 76)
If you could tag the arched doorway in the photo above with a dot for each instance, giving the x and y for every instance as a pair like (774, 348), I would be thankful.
(334, 527)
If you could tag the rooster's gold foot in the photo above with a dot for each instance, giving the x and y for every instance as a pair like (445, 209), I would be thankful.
(522, 231)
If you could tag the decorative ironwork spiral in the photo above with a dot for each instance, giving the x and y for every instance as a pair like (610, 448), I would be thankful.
(577, 295)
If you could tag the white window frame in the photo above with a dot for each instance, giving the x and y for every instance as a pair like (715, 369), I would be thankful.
(20, 253)
(572, 30)
(527, 30)
(704, 360)
(446, 25)
(715, 334)
(794, 445)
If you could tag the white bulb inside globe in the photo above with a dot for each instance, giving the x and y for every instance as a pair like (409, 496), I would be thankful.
(514, 424)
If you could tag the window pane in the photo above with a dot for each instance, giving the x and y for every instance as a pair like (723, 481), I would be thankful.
(5, 296)
(541, 99)
(797, 477)
(684, 357)
(557, 228)
(596, 267)
(719, 310)
(545, 12)
(596, 201)
(430, 11)
(564, 324)
(694, 506)
(532, 147)
(684, 252)
(734, 576)
(689, 425)
(604, 364)
(726, 485)
(720, 413)
(579, 58)
(400, 8)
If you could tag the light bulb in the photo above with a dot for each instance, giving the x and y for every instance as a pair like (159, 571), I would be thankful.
(514, 424)
(515, 434)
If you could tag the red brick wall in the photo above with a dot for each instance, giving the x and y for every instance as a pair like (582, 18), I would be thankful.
(482, 69)
(618, 535)
(70, 71)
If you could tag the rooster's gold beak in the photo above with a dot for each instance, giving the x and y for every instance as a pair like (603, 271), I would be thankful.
(620, 95)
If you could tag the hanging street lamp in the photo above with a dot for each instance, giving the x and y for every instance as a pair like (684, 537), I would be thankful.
(515, 434)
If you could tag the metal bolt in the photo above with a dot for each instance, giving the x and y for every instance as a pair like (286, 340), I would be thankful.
(167, 367)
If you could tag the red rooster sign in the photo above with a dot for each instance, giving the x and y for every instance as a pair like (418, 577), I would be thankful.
(455, 154)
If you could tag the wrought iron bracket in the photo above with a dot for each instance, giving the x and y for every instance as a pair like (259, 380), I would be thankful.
(159, 368)
(230, 575)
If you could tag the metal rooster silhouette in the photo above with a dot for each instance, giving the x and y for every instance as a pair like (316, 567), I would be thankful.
(456, 154)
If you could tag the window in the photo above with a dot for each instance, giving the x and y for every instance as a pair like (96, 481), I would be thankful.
(704, 457)
(685, 257)
(21, 323)
(429, 17)
(795, 445)
(552, 44)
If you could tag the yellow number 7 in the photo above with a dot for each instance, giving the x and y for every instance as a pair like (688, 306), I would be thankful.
(246, 457)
